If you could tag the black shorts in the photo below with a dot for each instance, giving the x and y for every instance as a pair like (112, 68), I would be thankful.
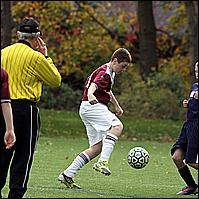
(188, 141)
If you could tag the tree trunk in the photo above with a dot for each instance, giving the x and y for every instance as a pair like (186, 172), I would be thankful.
(192, 16)
(147, 34)
(6, 23)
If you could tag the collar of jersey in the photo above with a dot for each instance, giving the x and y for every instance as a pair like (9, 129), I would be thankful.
(24, 42)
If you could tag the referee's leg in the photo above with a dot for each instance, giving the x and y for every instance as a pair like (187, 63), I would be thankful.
(26, 125)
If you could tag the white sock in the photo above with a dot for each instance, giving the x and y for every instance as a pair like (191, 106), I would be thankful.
(77, 164)
(107, 147)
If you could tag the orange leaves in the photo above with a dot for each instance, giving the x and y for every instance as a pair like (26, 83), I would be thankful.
(75, 38)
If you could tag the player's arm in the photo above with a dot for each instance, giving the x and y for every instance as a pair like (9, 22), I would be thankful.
(113, 100)
(91, 97)
(9, 137)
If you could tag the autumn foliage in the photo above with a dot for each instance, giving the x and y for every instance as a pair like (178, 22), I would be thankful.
(82, 35)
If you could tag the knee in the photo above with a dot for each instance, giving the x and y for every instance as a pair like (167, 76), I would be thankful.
(118, 128)
(177, 159)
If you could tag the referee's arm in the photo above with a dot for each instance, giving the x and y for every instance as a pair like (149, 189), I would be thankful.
(47, 72)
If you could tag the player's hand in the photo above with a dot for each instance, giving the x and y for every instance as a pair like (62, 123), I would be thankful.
(92, 99)
(9, 139)
(119, 111)
(196, 95)
(185, 103)
(41, 46)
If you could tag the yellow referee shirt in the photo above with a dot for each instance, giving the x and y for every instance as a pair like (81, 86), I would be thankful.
(27, 70)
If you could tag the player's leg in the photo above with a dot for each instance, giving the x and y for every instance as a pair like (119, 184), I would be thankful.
(67, 176)
(191, 157)
(83, 158)
(107, 126)
(178, 156)
(184, 172)
(94, 150)
(5, 156)
(192, 148)
(109, 142)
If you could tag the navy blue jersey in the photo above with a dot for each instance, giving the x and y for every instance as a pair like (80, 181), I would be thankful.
(188, 138)
(192, 112)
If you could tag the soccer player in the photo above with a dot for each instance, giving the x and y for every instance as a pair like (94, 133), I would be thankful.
(29, 67)
(103, 127)
(186, 146)
(6, 118)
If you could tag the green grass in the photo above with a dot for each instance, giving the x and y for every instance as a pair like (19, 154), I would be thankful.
(69, 124)
(63, 137)
(159, 179)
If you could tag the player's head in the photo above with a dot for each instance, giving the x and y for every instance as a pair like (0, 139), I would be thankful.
(196, 70)
(120, 60)
(28, 29)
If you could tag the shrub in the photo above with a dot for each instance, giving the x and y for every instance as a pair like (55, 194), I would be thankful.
(63, 98)
(160, 97)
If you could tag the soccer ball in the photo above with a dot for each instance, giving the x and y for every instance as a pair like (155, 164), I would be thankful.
(138, 157)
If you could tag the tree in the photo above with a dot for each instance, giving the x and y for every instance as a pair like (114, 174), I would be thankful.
(6, 23)
(192, 16)
(147, 36)
(113, 34)
(79, 36)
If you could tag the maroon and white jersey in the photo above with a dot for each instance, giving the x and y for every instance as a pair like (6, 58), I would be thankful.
(103, 77)
(5, 93)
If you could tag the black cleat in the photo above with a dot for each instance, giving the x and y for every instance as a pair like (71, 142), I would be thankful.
(69, 182)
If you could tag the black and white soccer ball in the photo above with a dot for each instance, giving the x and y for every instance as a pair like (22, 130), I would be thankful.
(138, 157)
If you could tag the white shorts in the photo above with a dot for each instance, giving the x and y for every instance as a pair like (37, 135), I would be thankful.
(98, 120)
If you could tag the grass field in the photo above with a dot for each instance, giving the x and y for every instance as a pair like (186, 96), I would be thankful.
(159, 179)
(62, 137)
(69, 124)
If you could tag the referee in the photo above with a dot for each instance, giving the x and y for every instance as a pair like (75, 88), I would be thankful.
(28, 67)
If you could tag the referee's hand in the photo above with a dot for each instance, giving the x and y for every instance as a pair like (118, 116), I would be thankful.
(41, 46)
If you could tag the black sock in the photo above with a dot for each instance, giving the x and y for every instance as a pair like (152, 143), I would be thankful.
(186, 175)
